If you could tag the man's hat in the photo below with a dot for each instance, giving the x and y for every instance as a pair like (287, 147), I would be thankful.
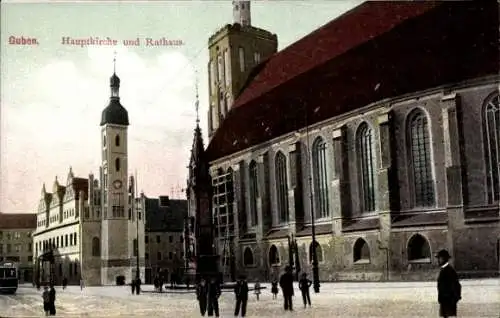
(443, 254)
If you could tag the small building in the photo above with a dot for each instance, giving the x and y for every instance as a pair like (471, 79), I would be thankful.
(16, 241)
(164, 235)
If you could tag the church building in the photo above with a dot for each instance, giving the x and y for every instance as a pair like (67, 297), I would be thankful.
(381, 128)
(91, 229)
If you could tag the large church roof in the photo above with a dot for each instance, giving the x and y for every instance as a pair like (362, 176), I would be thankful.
(376, 51)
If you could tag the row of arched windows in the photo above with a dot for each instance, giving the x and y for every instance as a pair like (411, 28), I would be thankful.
(418, 250)
(419, 161)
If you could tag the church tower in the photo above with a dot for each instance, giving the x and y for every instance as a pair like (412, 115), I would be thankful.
(234, 51)
(199, 231)
(115, 249)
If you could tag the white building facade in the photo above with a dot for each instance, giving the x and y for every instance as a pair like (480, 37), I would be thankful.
(94, 230)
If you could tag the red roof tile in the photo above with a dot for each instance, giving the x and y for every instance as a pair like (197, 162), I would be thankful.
(376, 51)
(353, 28)
(14, 221)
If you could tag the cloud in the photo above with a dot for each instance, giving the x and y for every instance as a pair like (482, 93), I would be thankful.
(60, 126)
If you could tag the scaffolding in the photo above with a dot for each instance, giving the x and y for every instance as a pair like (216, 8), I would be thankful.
(223, 214)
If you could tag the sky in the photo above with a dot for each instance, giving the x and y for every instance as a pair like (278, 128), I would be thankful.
(52, 95)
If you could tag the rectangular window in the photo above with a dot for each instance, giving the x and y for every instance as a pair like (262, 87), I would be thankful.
(158, 256)
(158, 239)
(74, 239)
(18, 248)
(30, 259)
(241, 53)
(146, 255)
(170, 255)
(227, 68)
(9, 248)
(170, 239)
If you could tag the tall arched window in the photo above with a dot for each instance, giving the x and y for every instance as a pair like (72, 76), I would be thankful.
(492, 147)
(117, 140)
(364, 143)
(254, 191)
(117, 164)
(96, 247)
(248, 257)
(281, 186)
(274, 256)
(320, 176)
(421, 162)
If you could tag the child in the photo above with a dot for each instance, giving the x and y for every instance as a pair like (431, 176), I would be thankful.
(274, 289)
(257, 289)
(46, 300)
(304, 284)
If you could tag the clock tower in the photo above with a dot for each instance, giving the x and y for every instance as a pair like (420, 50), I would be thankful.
(116, 252)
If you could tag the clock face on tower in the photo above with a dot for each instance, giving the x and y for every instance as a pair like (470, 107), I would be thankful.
(117, 184)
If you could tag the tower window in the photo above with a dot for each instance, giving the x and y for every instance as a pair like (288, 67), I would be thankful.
(117, 164)
(104, 141)
(256, 57)
(241, 53)
(117, 140)
(227, 68)
(220, 70)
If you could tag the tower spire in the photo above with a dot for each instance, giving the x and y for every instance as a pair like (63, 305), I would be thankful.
(197, 103)
(114, 62)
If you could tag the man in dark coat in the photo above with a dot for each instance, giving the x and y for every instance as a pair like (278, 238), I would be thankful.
(241, 293)
(52, 300)
(202, 296)
(214, 292)
(449, 288)
(286, 284)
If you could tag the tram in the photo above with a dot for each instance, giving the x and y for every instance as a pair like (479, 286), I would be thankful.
(9, 277)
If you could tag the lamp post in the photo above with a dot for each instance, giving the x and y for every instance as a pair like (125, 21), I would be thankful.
(137, 270)
(315, 268)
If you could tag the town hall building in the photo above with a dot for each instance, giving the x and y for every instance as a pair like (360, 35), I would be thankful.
(382, 126)
(90, 228)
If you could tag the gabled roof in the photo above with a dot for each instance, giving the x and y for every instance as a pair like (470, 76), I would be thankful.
(376, 51)
(17, 221)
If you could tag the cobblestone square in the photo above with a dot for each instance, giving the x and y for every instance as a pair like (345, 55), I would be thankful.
(400, 299)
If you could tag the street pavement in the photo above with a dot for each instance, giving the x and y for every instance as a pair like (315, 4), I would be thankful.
(480, 298)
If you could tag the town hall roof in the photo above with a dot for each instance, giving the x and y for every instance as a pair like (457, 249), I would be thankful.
(378, 50)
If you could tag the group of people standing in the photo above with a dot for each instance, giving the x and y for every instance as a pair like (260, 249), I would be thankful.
(136, 285)
(208, 294)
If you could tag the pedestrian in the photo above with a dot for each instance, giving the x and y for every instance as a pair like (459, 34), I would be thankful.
(274, 288)
(52, 300)
(132, 285)
(81, 284)
(286, 284)
(304, 284)
(202, 296)
(138, 283)
(46, 300)
(64, 283)
(449, 288)
(214, 292)
(241, 293)
(257, 289)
